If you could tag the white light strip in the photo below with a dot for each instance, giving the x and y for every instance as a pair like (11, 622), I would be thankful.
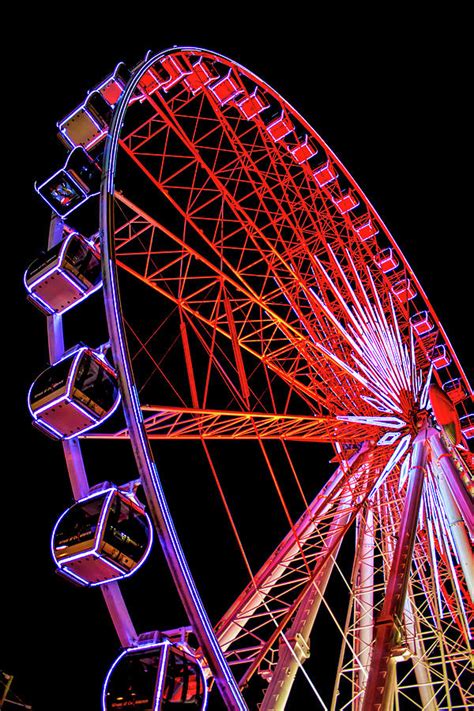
(393, 461)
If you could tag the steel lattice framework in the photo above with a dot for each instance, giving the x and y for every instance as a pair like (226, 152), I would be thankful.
(263, 299)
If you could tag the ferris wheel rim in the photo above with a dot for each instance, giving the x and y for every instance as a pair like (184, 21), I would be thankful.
(140, 445)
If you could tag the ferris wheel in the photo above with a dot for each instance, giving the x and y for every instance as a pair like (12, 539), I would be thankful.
(254, 297)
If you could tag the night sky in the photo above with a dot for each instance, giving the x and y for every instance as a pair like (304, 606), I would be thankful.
(391, 104)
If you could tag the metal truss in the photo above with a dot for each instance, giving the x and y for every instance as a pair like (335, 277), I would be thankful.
(431, 633)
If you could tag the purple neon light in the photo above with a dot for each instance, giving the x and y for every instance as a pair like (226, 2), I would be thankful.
(49, 428)
(42, 304)
(164, 656)
(167, 515)
(72, 576)
(161, 671)
(108, 189)
(62, 565)
(109, 674)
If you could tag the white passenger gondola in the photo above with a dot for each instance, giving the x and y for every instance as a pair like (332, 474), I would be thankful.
(103, 537)
(67, 274)
(75, 394)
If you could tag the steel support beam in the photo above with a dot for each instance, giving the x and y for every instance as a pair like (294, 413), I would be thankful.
(418, 654)
(255, 593)
(364, 603)
(295, 649)
(443, 459)
(456, 521)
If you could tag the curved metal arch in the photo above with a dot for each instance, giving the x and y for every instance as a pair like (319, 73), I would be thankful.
(146, 465)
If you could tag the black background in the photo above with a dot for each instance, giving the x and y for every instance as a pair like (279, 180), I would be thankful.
(388, 96)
